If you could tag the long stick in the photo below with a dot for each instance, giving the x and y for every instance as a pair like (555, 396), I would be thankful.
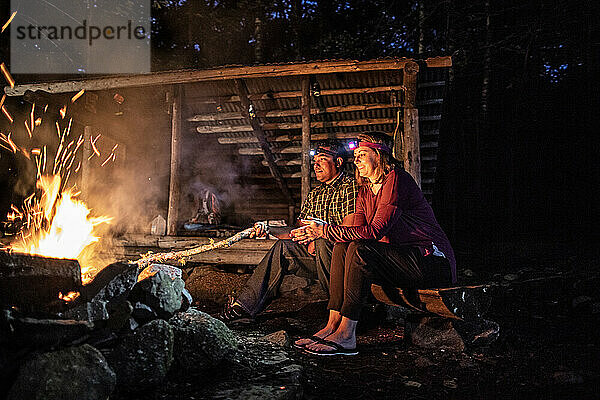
(176, 255)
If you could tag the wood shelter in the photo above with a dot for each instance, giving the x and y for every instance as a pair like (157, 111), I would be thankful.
(261, 120)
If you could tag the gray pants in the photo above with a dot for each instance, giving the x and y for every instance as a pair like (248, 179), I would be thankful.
(285, 257)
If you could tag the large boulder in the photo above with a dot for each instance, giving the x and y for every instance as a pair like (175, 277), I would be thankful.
(142, 360)
(160, 292)
(201, 341)
(109, 288)
(77, 373)
(436, 334)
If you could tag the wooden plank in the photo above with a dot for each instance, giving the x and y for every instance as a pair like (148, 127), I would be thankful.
(439, 62)
(295, 125)
(175, 175)
(257, 151)
(285, 163)
(223, 116)
(224, 129)
(295, 175)
(217, 74)
(262, 140)
(292, 94)
(182, 242)
(411, 150)
(289, 138)
(296, 112)
(305, 156)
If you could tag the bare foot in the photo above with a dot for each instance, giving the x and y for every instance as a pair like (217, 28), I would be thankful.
(320, 334)
(332, 324)
(347, 342)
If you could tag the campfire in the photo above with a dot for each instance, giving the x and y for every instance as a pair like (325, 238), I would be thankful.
(59, 226)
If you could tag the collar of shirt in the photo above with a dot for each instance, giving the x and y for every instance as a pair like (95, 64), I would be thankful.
(335, 181)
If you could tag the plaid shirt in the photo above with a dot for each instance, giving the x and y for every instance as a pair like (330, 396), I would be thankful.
(331, 202)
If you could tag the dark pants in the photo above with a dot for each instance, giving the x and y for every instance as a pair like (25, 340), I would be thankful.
(355, 265)
(285, 257)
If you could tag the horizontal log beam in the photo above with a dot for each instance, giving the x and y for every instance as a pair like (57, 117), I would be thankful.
(289, 138)
(291, 113)
(257, 151)
(219, 74)
(285, 163)
(295, 175)
(295, 125)
(294, 93)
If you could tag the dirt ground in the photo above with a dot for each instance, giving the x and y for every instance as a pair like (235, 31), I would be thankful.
(547, 304)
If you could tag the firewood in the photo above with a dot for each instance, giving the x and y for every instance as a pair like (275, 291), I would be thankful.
(30, 281)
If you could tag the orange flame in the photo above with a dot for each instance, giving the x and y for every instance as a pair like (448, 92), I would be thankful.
(62, 226)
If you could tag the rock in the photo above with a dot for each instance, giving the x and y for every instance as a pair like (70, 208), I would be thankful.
(396, 314)
(201, 341)
(413, 384)
(293, 282)
(511, 277)
(142, 360)
(42, 333)
(186, 300)
(143, 313)
(160, 292)
(468, 272)
(119, 315)
(437, 334)
(595, 309)
(450, 383)
(262, 391)
(567, 378)
(153, 269)
(423, 362)
(111, 285)
(80, 373)
(280, 338)
(479, 332)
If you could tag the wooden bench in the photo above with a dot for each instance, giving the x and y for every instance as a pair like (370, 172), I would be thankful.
(461, 302)
(465, 306)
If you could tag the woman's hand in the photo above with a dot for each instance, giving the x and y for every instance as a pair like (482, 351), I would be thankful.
(308, 233)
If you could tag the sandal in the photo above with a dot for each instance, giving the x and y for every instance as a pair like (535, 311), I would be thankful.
(337, 350)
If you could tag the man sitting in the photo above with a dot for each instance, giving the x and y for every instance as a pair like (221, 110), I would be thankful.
(332, 201)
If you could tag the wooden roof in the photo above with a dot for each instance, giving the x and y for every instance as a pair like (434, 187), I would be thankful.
(347, 97)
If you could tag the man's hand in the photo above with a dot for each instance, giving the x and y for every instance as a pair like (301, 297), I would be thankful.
(310, 232)
(259, 230)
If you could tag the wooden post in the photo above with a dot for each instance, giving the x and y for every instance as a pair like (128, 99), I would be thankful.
(305, 157)
(411, 152)
(86, 172)
(175, 180)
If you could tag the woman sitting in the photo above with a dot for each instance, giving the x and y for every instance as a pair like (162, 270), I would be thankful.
(396, 241)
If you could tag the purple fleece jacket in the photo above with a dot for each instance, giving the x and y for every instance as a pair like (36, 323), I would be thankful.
(398, 214)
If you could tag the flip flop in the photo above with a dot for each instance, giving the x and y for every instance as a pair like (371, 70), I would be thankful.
(337, 350)
(313, 338)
